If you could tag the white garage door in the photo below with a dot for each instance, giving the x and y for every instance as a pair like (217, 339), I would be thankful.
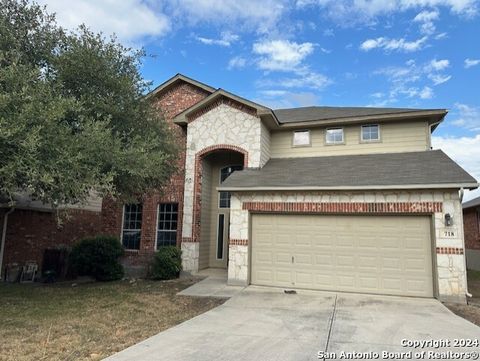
(371, 254)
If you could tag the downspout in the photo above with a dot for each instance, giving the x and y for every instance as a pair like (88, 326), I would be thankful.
(468, 294)
(4, 236)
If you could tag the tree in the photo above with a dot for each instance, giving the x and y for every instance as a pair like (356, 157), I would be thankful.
(73, 115)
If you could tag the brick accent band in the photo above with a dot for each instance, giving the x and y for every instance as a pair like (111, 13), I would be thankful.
(238, 242)
(344, 207)
(449, 250)
(187, 240)
(222, 100)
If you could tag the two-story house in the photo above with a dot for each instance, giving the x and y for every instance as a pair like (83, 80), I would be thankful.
(327, 198)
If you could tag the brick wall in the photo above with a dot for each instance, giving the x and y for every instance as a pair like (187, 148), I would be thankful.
(29, 233)
(170, 102)
(471, 228)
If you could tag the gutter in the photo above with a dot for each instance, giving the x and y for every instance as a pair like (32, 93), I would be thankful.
(4, 236)
(332, 188)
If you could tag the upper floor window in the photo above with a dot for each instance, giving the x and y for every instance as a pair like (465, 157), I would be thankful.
(334, 136)
(301, 138)
(132, 226)
(167, 224)
(370, 133)
(224, 197)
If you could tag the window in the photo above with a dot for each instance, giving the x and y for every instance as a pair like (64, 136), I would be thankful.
(334, 136)
(370, 133)
(224, 197)
(167, 224)
(301, 138)
(132, 226)
(220, 238)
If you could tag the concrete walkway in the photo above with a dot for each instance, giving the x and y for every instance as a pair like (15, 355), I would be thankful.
(267, 324)
(214, 285)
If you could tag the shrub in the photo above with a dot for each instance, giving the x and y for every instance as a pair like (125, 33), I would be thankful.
(97, 257)
(167, 263)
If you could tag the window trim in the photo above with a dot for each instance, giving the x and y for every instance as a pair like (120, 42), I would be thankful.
(156, 227)
(122, 229)
(302, 145)
(335, 143)
(223, 238)
(220, 181)
(370, 140)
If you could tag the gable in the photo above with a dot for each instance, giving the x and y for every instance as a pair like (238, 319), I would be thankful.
(178, 97)
(221, 101)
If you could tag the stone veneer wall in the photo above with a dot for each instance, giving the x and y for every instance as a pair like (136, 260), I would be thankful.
(223, 126)
(450, 260)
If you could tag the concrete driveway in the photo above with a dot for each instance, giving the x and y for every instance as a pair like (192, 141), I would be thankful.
(267, 324)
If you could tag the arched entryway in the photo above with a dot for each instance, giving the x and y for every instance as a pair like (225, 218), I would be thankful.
(212, 208)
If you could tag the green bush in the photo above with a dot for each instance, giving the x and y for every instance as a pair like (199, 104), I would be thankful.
(97, 257)
(167, 263)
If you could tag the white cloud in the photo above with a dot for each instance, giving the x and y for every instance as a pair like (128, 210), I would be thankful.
(393, 44)
(426, 15)
(226, 39)
(328, 32)
(305, 79)
(467, 116)
(254, 15)
(465, 151)
(471, 62)
(409, 80)
(426, 93)
(439, 64)
(348, 13)
(277, 99)
(438, 79)
(441, 36)
(426, 19)
(281, 55)
(130, 20)
(237, 62)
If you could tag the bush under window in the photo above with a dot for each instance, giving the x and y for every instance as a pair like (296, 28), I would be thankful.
(167, 263)
(97, 257)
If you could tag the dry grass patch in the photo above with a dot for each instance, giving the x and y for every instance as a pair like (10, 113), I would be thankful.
(90, 321)
(471, 311)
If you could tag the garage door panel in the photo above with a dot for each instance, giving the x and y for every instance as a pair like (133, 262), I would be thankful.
(283, 278)
(264, 257)
(374, 254)
(304, 260)
(283, 258)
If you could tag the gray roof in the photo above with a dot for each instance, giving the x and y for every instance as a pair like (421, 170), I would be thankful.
(368, 171)
(472, 203)
(305, 114)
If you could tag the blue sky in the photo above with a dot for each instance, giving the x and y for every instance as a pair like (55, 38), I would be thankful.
(392, 53)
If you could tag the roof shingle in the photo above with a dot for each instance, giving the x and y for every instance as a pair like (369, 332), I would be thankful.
(475, 202)
(367, 170)
(305, 114)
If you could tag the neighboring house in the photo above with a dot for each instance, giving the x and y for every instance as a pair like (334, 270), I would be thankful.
(328, 198)
(471, 224)
(30, 227)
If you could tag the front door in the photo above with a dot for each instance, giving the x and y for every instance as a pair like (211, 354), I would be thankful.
(221, 219)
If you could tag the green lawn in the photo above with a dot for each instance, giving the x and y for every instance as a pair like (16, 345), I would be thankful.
(89, 321)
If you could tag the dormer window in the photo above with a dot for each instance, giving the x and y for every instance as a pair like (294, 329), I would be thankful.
(301, 138)
(370, 133)
(334, 136)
